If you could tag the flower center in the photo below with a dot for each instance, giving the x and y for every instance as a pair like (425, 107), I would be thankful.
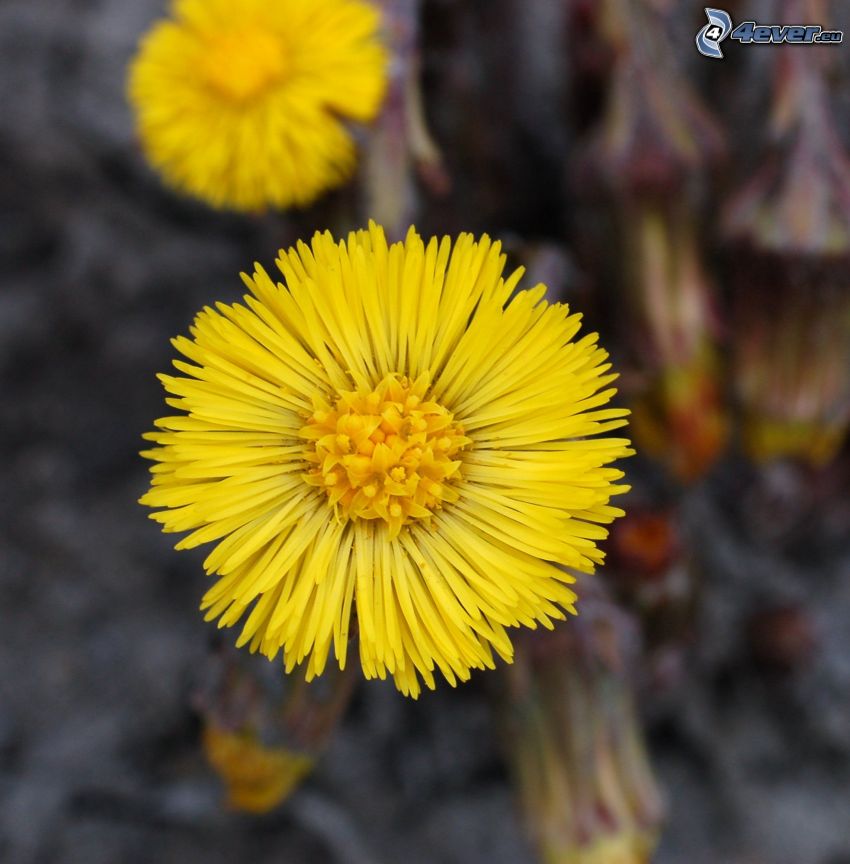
(385, 454)
(241, 64)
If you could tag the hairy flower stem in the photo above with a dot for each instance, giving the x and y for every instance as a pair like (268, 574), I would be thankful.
(789, 227)
(680, 415)
(576, 749)
(648, 153)
(262, 733)
(793, 367)
(400, 145)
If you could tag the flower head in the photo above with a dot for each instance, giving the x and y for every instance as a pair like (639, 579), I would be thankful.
(395, 433)
(257, 777)
(239, 102)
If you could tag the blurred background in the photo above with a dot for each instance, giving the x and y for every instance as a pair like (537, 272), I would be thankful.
(697, 211)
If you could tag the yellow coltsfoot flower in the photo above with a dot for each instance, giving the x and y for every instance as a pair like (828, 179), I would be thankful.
(395, 434)
(241, 102)
(257, 777)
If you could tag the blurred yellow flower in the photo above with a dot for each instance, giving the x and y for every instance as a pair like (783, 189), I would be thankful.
(241, 102)
(394, 433)
(257, 777)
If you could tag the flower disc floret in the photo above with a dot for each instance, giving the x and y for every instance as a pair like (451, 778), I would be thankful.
(386, 453)
(240, 65)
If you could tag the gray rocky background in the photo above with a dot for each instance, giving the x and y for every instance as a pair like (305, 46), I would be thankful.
(100, 640)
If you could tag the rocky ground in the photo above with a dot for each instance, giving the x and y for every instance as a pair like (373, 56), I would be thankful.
(101, 639)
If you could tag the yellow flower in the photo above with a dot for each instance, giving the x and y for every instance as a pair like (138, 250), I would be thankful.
(394, 433)
(239, 102)
(257, 777)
